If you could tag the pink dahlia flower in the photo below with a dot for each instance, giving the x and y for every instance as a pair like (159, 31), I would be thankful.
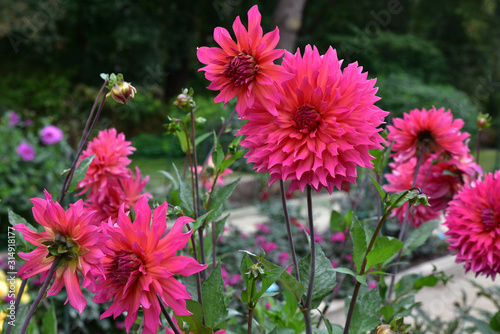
(244, 69)
(13, 117)
(439, 179)
(325, 126)
(51, 135)
(473, 220)
(26, 151)
(72, 235)
(120, 191)
(110, 161)
(433, 130)
(140, 263)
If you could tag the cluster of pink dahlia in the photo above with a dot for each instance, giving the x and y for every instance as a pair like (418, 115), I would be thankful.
(473, 220)
(131, 263)
(108, 181)
(430, 152)
(309, 121)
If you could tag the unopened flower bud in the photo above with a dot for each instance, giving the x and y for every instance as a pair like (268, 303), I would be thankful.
(483, 121)
(182, 101)
(385, 329)
(122, 92)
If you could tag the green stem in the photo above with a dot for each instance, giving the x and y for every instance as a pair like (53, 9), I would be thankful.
(195, 164)
(40, 296)
(289, 232)
(251, 305)
(478, 145)
(198, 275)
(312, 266)
(363, 265)
(83, 141)
(167, 316)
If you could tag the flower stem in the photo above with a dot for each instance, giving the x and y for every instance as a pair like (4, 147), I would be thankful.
(167, 316)
(40, 296)
(17, 302)
(83, 141)
(312, 266)
(478, 145)
(289, 231)
(198, 275)
(363, 266)
(251, 306)
(195, 165)
(221, 131)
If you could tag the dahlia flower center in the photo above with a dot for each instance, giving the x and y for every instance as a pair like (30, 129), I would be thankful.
(307, 118)
(125, 266)
(425, 138)
(241, 69)
(490, 218)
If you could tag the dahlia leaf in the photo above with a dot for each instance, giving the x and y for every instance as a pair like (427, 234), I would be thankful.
(268, 279)
(49, 321)
(405, 284)
(381, 191)
(324, 278)
(21, 244)
(366, 311)
(218, 154)
(169, 176)
(186, 201)
(219, 228)
(430, 280)
(295, 287)
(213, 298)
(194, 323)
(418, 237)
(337, 222)
(245, 267)
(227, 162)
(495, 322)
(384, 249)
(219, 197)
(80, 172)
(201, 138)
(360, 247)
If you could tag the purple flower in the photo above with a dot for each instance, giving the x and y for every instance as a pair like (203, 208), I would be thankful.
(51, 134)
(13, 118)
(26, 151)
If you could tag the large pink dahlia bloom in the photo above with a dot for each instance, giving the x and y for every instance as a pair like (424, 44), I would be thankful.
(71, 235)
(110, 161)
(433, 130)
(140, 263)
(244, 69)
(473, 220)
(326, 123)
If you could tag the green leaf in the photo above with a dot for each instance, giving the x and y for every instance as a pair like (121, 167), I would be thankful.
(213, 298)
(169, 176)
(193, 323)
(405, 284)
(268, 279)
(219, 197)
(365, 315)
(80, 172)
(337, 222)
(381, 190)
(185, 195)
(21, 244)
(387, 312)
(201, 138)
(181, 135)
(228, 161)
(49, 322)
(324, 278)
(359, 244)
(384, 249)
(218, 154)
(418, 236)
(495, 322)
(430, 280)
(245, 266)
(296, 288)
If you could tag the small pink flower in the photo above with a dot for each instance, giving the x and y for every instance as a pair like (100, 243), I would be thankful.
(372, 285)
(268, 247)
(268, 305)
(334, 264)
(263, 228)
(26, 151)
(71, 235)
(349, 257)
(13, 118)
(283, 258)
(51, 135)
(338, 237)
